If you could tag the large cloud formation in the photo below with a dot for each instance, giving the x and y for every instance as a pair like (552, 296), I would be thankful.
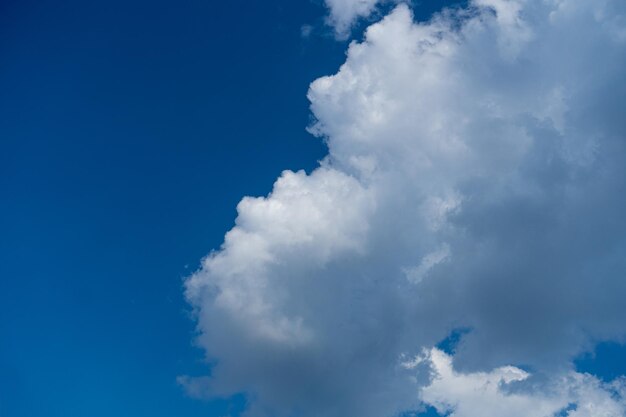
(476, 179)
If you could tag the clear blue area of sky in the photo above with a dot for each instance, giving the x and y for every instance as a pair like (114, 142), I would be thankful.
(129, 130)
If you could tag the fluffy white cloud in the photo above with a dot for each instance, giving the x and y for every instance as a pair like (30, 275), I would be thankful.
(343, 13)
(501, 392)
(298, 228)
(475, 178)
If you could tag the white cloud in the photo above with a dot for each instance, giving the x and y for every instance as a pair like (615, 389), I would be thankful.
(481, 155)
(343, 13)
(500, 392)
(297, 228)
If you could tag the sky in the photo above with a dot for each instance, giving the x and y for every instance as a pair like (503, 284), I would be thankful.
(434, 223)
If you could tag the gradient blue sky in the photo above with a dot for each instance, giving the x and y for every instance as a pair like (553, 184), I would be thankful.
(129, 130)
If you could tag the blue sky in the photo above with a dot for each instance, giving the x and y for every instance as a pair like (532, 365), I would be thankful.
(129, 131)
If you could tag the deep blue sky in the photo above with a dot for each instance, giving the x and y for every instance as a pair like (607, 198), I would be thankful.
(129, 130)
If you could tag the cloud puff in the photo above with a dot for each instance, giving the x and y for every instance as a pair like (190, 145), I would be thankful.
(501, 392)
(343, 13)
(475, 179)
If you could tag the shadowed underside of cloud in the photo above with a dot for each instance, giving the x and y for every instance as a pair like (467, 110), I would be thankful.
(476, 180)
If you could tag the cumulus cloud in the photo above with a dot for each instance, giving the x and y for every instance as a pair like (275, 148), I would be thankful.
(343, 13)
(475, 179)
(501, 392)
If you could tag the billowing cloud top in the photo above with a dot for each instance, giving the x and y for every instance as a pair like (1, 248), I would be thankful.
(475, 179)
(343, 13)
